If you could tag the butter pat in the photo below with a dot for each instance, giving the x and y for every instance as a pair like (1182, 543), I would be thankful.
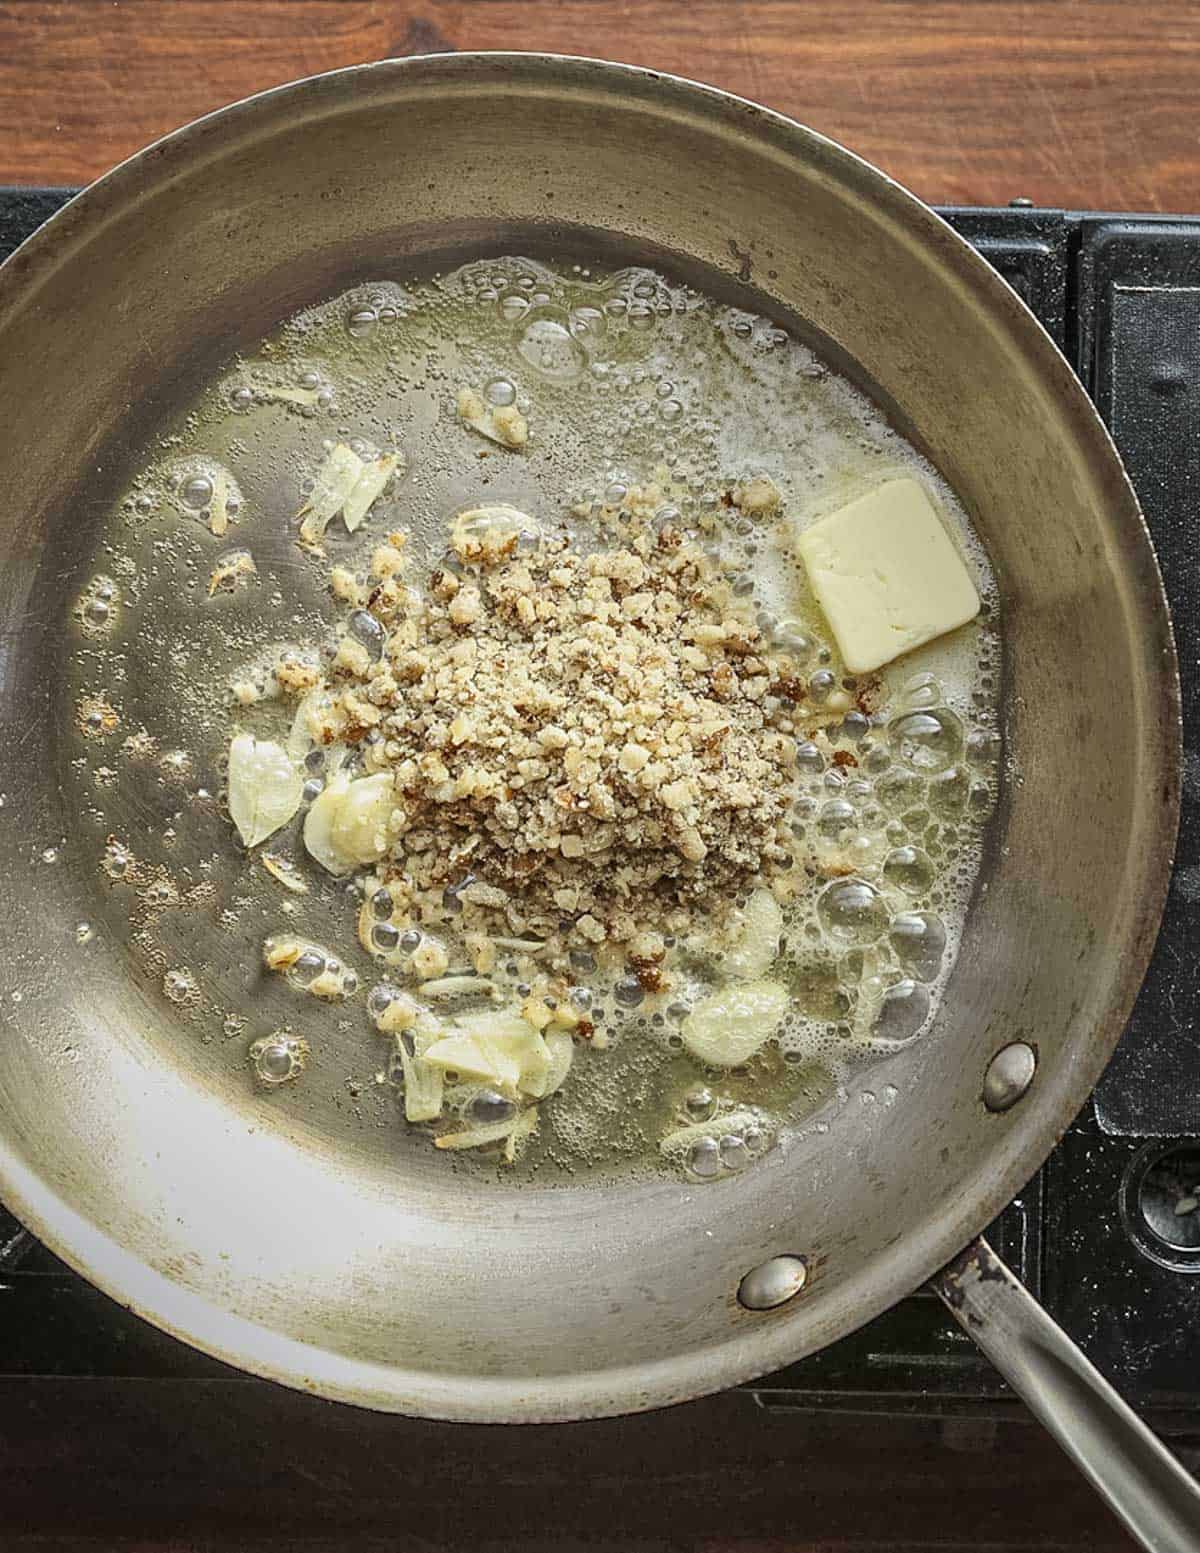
(887, 575)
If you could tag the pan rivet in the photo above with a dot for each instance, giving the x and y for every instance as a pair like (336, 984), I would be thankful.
(1009, 1075)
(773, 1283)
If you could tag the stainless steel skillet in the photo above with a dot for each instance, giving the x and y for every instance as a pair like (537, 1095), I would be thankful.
(360, 1270)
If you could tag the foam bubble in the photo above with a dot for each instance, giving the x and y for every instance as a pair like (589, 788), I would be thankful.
(627, 379)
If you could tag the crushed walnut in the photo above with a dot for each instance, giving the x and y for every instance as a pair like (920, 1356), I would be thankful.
(580, 744)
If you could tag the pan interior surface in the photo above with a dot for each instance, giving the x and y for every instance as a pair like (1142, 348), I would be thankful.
(380, 1278)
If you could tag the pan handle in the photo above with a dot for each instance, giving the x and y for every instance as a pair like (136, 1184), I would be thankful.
(1143, 1483)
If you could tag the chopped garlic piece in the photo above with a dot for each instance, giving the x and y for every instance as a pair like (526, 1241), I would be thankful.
(218, 507)
(264, 787)
(537, 1012)
(233, 567)
(309, 967)
(351, 658)
(400, 1012)
(510, 426)
(313, 725)
(758, 497)
(387, 561)
(504, 425)
(430, 959)
(295, 674)
(345, 586)
(482, 950)
(283, 869)
(887, 575)
(280, 954)
(349, 824)
(245, 692)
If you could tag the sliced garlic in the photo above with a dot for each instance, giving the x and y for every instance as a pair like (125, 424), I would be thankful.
(218, 507)
(726, 1028)
(343, 483)
(499, 1048)
(264, 787)
(423, 1088)
(367, 487)
(424, 1081)
(283, 869)
(513, 1132)
(562, 1053)
(334, 480)
(456, 986)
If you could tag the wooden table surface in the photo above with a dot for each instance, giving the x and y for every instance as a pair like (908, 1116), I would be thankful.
(1084, 103)
(1066, 102)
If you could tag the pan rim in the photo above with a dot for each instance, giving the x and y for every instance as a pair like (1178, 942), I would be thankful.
(763, 1343)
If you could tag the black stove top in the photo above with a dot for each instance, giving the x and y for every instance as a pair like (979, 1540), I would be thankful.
(1108, 1235)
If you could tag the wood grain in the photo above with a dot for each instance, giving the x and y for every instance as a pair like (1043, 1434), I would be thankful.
(1067, 102)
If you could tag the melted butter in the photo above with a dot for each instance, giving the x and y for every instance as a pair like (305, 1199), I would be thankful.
(626, 382)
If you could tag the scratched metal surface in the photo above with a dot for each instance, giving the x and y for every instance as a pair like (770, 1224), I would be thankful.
(1067, 1238)
(1033, 959)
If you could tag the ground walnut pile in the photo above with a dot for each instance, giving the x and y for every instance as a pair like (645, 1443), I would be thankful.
(594, 745)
